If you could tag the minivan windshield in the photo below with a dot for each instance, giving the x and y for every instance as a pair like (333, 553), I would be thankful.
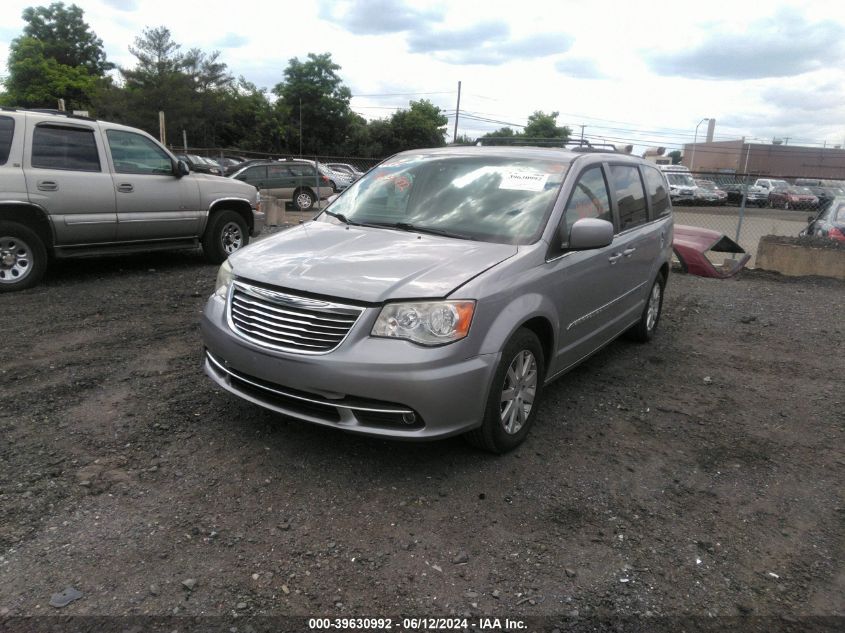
(504, 199)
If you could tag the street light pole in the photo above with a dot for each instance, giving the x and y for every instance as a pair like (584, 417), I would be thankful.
(694, 140)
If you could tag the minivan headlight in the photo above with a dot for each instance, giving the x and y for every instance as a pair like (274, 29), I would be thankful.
(425, 322)
(225, 276)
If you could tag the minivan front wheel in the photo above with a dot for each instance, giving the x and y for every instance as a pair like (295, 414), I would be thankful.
(644, 330)
(226, 233)
(514, 395)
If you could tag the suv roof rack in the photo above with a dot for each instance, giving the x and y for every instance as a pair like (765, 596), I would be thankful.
(63, 113)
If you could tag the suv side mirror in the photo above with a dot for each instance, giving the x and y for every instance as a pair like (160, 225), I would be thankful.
(181, 169)
(587, 233)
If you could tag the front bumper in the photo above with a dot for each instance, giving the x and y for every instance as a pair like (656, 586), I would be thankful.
(371, 386)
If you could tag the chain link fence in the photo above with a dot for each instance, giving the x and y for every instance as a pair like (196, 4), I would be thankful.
(746, 207)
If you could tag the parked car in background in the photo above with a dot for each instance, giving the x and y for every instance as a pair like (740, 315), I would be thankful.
(338, 180)
(294, 180)
(347, 169)
(792, 198)
(444, 290)
(200, 164)
(228, 161)
(754, 195)
(72, 186)
(770, 183)
(244, 163)
(830, 222)
(709, 193)
(824, 190)
(682, 187)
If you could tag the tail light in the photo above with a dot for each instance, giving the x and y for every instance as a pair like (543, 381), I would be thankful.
(836, 234)
(325, 178)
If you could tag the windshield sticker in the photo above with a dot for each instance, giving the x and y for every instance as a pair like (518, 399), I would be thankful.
(524, 181)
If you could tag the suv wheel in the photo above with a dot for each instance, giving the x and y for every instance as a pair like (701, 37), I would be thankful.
(226, 234)
(23, 257)
(514, 395)
(304, 200)
(644, 330)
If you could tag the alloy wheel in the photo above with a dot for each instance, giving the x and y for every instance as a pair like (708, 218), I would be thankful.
(518, 392)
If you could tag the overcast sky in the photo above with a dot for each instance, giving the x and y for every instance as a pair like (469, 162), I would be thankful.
(646, 72)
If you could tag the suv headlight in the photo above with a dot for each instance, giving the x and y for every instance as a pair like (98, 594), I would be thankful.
(425, 322)
(225, 276)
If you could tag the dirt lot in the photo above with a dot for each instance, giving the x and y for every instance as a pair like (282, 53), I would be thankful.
(700, 474)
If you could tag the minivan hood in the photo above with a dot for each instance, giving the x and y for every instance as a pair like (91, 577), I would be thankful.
(366, 264)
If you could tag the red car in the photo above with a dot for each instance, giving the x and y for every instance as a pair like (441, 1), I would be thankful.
(792, 198)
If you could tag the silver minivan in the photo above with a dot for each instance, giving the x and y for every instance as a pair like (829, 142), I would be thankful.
(441, 291)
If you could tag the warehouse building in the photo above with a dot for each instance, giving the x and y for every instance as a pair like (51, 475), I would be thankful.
(765, 159)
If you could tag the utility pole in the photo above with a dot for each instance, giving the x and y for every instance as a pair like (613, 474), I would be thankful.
(185, 140)
(582, 134)
(300, 127)
(162, 134)
(457, 114)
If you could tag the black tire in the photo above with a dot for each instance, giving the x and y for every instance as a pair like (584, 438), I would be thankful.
(645, 328)
(492, 434)
(23, 257)
(226, 233)
(304, 199)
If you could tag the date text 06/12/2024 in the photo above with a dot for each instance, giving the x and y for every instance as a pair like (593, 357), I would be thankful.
(416, 624)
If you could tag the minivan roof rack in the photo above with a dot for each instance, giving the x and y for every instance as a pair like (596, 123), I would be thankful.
(575, 145)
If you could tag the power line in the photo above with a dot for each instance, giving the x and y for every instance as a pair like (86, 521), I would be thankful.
(405, 94)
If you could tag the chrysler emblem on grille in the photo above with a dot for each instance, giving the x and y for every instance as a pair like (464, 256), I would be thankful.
(279, 297)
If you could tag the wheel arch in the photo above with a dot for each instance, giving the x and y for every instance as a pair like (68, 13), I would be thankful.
(542, 328)
(32, 216)
(241, 206)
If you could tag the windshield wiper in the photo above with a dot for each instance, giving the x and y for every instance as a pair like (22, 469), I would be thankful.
(407, 226)
(343, 218)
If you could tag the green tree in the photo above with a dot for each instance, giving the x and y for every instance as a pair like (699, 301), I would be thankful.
(502, 136)
(544, 126)
(312, 96)
(66, 36)
(421, 125)
(158, 82)
(56, 57)
(38, 81)
(675, 155)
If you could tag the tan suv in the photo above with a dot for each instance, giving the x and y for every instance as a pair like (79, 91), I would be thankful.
(73, 186)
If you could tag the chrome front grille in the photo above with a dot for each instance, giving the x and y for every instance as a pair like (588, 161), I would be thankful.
(288, 322)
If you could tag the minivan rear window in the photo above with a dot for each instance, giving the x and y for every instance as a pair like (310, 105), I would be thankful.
(7, 131)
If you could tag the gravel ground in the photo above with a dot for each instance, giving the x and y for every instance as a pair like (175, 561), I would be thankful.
(699, 475)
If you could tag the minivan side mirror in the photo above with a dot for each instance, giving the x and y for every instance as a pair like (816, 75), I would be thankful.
(181, 169)
(587, 233)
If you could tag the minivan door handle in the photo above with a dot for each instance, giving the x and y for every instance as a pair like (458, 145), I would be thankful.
(47, 185)
(614, 258)
(125, 188)
(628, 252)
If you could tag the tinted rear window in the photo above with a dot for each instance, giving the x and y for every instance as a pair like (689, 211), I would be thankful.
(7, 130)
(55, 147)
(656, 188)
(630, 196)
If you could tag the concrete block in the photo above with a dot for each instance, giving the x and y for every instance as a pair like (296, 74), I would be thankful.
(796, 260)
